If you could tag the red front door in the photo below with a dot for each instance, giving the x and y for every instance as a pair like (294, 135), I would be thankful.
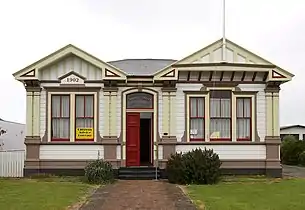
(133, 139)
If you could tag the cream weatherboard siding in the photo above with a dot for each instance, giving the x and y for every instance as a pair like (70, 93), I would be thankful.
(230, 152)
(71, 152)
(180, 107)
(260, 107)
(43, 113)
(71, 63)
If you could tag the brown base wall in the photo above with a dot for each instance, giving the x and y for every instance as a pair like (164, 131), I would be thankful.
(274, 173)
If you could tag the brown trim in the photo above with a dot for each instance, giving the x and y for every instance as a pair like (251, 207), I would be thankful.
(110, 152)
(33, 89)
(272, 88)
(223, 64)
(245, 92)
(197, 92)
(215, 82)
(167, 74)
(32, 146)
(169, 89)
(26, 74)
(274, 74)
(214, 143)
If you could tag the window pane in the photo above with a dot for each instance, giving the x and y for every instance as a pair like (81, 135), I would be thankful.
(84, 123)
(55, 106)
(243, 128)
(79, 106)
(65, 106)
(225, 108)
(200, 107)
(220, 128)
(214, 107)
(247, 107)
(61, 128)
(193, 104)
(239, 107)
(197, 128)
(89, 106)
(139, 100)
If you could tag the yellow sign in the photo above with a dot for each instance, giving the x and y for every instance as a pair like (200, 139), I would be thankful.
(84, 133)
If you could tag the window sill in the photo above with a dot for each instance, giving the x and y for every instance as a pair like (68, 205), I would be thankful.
(220, 139)
(60, 140)
(196, 140)
(243, 140)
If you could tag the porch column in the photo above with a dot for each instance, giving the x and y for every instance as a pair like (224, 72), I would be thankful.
(167, 144)
(272, 139)
(32, 138)
(110, 135)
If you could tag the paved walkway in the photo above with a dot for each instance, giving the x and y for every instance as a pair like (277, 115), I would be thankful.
(139, 195)
(293, 171)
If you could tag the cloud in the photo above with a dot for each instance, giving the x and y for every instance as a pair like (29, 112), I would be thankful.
(116, 29)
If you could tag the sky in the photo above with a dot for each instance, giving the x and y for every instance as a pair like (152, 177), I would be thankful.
(172, 29)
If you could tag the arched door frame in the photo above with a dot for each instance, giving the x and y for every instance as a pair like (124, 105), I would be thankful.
(155, 118)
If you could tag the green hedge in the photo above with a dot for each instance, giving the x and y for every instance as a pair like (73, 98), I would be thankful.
(291, 150)
(194, 167)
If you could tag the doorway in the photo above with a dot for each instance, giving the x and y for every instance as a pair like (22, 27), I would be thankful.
(139, 140)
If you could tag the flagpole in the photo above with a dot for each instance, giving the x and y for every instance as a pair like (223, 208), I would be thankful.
(224, 31)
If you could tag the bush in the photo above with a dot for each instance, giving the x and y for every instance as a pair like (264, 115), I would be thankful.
(302, 158)
(194, 167)
(291, 148)
(99, 172)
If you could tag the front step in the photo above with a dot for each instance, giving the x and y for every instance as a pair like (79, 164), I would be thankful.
(138, 173)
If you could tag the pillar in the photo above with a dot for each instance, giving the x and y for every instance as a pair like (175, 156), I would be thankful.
(32, 139)
(272, 139)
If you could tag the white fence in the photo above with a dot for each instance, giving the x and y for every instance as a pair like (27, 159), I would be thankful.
(12, 163)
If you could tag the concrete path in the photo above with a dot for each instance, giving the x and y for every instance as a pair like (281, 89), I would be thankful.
(139, 195)
(293, 171)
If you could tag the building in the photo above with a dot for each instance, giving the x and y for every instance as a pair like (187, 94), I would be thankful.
(298, 131)
(13, 135)
(137, 112)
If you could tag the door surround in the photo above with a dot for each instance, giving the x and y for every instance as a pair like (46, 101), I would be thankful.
(154, 93)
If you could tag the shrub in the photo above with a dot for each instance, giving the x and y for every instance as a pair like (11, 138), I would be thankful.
(194, 167)
(99, 172)
(291, 148)
(302, 158)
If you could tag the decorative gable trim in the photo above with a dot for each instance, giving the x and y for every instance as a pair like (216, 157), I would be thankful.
(170, 74)
(275, 74)
(236, 55)
(30, 73)
(66, 51)
(71, 73)
(109, 73)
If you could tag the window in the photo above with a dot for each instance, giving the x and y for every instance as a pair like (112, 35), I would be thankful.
(139, 100)
(60, 117)
(84, 112)
(220, 115)
(243, 119)
(196, 119)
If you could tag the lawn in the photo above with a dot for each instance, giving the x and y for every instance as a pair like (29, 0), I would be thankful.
(32, 194)
(250, 194)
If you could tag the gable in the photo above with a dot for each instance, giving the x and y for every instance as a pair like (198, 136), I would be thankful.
(235, 54)
(70, 64)
(66, 59)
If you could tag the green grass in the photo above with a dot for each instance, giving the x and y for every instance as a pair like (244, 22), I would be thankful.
(44, 193)
(250, 194)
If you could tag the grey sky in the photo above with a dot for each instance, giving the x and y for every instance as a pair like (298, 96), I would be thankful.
(118, 29)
